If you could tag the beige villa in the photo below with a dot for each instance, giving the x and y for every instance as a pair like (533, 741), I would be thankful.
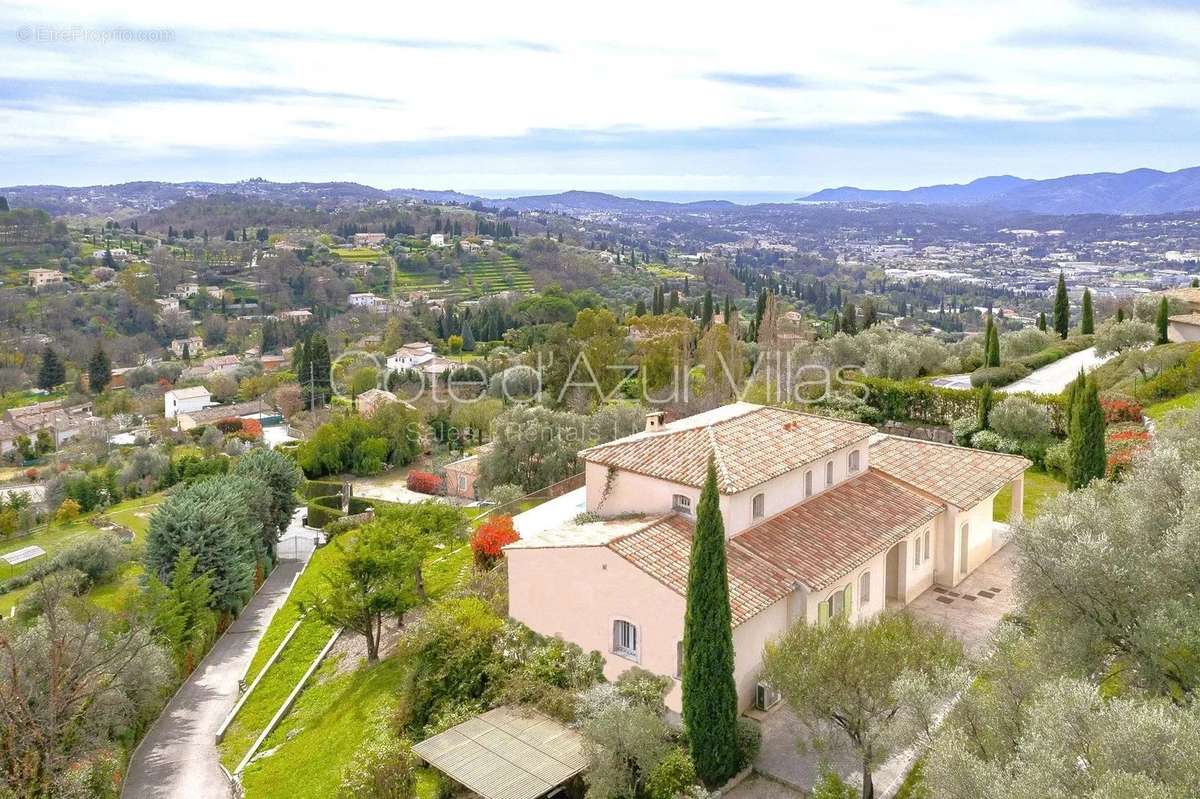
(823, 517)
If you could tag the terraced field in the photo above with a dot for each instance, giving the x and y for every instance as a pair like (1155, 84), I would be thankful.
(505, 273)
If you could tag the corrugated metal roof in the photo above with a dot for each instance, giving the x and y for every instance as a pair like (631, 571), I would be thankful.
(507, 753)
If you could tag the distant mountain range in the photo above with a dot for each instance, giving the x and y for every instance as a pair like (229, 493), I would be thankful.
(1141, 191)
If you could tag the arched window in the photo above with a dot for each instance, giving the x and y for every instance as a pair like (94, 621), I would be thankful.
(864, 589)
(625, 638)
(853, 462)
(829, 473)
(808, 483)
(682, 504)
(916, 545)
(926, 545)
(759, 506)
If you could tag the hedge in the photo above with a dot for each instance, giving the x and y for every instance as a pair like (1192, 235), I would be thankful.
(1056, 352)
(320, 488)
(323, 510)
(917, 401)
(998, 376)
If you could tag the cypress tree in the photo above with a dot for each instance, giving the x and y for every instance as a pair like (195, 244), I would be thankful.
(1087, 461)
(706, 315)
(52, 371)
(640, 308)
(728, 307)
(1163, 321)
(1062, 308)
(1087, 324)
(985, 405)
(1120, 314)
(1196, 282)
(1042, 321)
(468, 336)
(993, 346)
(99, 370)
(709, 693)
(849, 319)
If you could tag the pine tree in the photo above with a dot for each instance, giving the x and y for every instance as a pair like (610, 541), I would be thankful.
(709, 692)
(1087, 325)
(99, 370)
(52, 371)
(1042, 321)
(1062, 308)
(1163, 321)
(1087, 461)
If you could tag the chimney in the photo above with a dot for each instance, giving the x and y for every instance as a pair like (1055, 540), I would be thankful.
(654, 421)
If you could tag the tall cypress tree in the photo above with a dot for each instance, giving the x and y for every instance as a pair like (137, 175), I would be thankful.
(994, 347)
(709, 692)
(1163, 321)
(850, 319)
(1042, 321)
(1062, 308)
(1120, 314)
(1087, 436)
(986, 400)
(52, 371)
(99, 370)
(706, 315)
(1087, 325)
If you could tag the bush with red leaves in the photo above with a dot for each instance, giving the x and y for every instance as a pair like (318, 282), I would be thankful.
(1121, 410)
(251, 430)
(424, 482)
(490, 539)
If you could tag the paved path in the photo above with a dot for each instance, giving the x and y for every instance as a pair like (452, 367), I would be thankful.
(1054, 378)
(178, 757)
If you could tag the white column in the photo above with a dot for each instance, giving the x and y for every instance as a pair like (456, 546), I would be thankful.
(1017, 511)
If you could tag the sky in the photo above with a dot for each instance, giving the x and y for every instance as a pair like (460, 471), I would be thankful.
(627, 97)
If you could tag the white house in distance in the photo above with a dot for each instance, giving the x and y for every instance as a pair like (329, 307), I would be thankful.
(369, 239)
(823, 517)
(185, 400)
(437, 240)
(418, 356)
(194, 345)
(118, 253)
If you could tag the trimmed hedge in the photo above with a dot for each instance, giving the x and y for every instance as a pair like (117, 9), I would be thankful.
(997, 376)
(323, 510)
(916, 401)
(320, 488)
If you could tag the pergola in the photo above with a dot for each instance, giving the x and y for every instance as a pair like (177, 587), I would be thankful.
(507, 753)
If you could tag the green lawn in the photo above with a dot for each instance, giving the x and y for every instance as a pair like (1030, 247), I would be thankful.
(113, 595)
(329, 722)
(1186, 402)
(1038, 486)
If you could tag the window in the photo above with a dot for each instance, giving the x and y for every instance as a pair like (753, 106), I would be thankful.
(625, 639)
(829, 473)
(864, 589)
(837, 604)
(681, 504)
(916, 545)
(462, 482)
(853, 461)
(808, 488)
(759, 506)
(926, 545)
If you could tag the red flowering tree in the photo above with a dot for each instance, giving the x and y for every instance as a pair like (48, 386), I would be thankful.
(423, 482)
(490, 539)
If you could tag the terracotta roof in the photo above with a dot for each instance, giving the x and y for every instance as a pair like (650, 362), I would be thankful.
(663, 550)
(1184, 293)
(838, 530)
(956, 475)
(1186, 319)
(751, 444)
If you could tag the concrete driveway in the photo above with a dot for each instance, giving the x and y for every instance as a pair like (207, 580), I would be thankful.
(1054, 378)
(178, 757)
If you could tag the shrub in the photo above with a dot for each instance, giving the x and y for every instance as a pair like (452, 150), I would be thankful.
(490, 538)
(672, 777)
(749, 737)
(994, 442)
(424, 483)
(1168, 384)
(230, 424)
(1120, 409)
(382, 768)
(251, 430)
(997, 376)
(1021, 419)
(97, 557)
(505, 494)
(1058, 457)
(830, 785)
(963, 428)
(68, 511)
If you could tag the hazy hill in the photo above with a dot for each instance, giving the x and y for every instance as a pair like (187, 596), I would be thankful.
(1141, 191)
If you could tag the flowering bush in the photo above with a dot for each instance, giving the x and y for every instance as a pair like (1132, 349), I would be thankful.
(424, 482)
(251, 430)
(230, 424)
(1118, 410)
(491, 538)
(1122, 443)
(32, 474)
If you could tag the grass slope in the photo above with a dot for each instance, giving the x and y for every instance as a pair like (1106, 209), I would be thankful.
(1038, 486)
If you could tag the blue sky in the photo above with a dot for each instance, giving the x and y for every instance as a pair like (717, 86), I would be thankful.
(640, 97)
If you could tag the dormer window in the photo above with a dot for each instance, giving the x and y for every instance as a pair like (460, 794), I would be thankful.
(853, 462)
(682, 504)
(808, 483)
(759, 506)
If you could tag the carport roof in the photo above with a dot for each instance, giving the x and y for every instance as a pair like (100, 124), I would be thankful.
(507, 753)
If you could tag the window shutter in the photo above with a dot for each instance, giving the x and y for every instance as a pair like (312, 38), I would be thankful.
(849, 600)
(823, 613)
